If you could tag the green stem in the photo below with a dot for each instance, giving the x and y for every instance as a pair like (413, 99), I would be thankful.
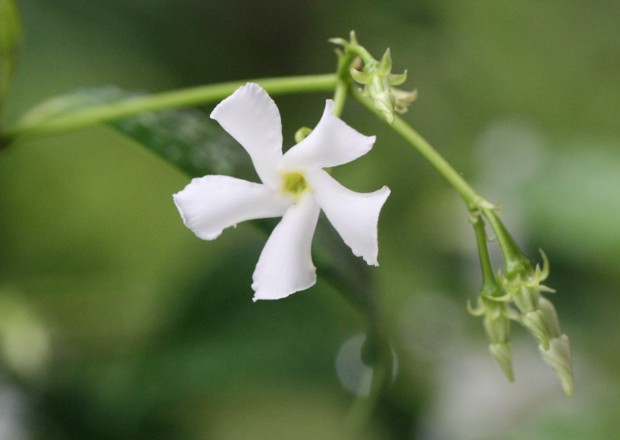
(360, 51)
(180, 98)
(10, 40)
(376, 353)
(362, 409)
(514, 260)
(472, 199)
(340, 96)
(6, 71)
(344, 81)
(489, 283)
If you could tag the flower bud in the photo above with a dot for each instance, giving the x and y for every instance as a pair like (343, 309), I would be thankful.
(496, 323)
(497, 328)
(523, 286)
(558, 357)
(537, 313)
(301, 134)
(379, 90)
(551, 317)
(536, 323)
(502, 352)
(378, 78)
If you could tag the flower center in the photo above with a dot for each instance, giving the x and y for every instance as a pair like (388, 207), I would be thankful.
(294, 183)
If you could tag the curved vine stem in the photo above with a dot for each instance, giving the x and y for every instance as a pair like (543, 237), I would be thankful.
(364, 406)
(473, 200)
(189, 97)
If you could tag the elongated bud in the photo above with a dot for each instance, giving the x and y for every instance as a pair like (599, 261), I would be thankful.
(558, 357)
(551, 317)
(502, 352)
(497, 328)
(536, 323)
(379, 91)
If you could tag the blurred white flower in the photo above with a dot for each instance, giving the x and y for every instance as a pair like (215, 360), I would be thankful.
(294, 186)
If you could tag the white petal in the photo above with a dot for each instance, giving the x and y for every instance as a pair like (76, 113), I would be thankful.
(331, 143)
(354, 215)
(210, 204)
(285, 265)
(251, 117)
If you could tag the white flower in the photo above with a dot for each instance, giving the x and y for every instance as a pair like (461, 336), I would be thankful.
(294, 187)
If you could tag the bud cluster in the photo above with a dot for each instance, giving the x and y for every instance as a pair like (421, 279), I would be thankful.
(496, 320)
(516, 295)
(378, 80)
(538, 315)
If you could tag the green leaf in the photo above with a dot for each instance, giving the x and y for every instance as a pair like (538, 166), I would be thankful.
(189, 140)
(186, 138)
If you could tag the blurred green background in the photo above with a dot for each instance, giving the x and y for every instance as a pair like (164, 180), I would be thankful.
(116, 322)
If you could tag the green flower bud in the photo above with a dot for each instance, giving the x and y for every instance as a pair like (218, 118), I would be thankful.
(497, 327)
(537, 313)
(535, 322)
(551, 318)
(496, 323)
(378, 78)
(379, 91)
(301, 134)
(502, 352)
(558, 357)
(524, 286)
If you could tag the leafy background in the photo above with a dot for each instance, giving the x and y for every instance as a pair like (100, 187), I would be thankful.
(116, 322)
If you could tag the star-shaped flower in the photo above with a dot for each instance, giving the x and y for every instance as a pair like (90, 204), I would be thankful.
(294, 186)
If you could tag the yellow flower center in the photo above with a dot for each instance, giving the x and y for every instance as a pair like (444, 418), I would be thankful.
(294, 183)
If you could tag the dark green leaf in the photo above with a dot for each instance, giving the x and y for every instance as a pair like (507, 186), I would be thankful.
(189, 140)
(186, 138)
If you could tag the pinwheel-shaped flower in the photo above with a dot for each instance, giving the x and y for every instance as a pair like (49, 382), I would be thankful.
(294, 186)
